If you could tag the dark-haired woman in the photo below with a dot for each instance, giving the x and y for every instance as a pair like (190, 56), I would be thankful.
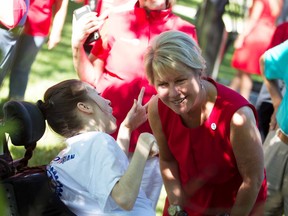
(92, 175)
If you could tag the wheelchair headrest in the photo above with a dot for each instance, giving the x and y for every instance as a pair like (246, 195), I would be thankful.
(26, 124)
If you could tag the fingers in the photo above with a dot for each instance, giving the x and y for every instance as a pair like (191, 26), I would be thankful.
(134, 107)
(273, 122)
(154, 149)
(104, 14)
(89, 22)
(140, 96)
(273, 126)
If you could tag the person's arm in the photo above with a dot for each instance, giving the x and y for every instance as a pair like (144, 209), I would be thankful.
(168, 164)
(276, 7)
(11, 12)
(89, 68)
(247, 148)
(126, 190)
(135, 117)
(274, 90)
(58, 23)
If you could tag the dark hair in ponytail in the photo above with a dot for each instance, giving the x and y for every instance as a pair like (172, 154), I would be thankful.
(59, 106)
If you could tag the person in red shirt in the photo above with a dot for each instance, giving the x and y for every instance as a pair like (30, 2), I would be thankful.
(252, 42)
(45, 21)
(103, 7)
(115, 64)
(210, 149)
(13, 14)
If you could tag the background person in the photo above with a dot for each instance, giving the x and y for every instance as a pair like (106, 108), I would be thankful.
(43, 16)
(13, 14)
(115, 64)
(274, 67)
(264, 104)
(92, 175)
(253, 42)
(210, 149)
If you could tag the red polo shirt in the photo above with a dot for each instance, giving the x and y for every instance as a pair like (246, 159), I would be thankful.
(128, 35)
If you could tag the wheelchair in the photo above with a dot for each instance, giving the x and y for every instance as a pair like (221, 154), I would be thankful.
(27, 190)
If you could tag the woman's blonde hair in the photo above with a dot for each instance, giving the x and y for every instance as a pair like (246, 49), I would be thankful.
(173, 52)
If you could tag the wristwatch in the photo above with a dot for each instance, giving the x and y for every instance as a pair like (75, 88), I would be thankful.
(176, 210)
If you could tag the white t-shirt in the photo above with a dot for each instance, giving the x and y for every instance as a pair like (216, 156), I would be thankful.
(85, 172)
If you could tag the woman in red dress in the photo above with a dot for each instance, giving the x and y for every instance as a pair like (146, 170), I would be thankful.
(210, 150)
(252, 43)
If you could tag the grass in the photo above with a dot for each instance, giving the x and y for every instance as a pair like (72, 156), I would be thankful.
(52, 66)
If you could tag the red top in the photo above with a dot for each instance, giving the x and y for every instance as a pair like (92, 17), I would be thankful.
(280, 35)
(128, 35)
(205, 153)
(256, 43)
(39, 17)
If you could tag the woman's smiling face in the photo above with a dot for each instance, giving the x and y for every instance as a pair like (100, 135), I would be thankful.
(179, 91)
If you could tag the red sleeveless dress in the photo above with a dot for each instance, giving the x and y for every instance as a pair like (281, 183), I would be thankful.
(255, 44)
(205, 153)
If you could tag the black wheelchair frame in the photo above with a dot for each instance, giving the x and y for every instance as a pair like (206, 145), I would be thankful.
(26, 189)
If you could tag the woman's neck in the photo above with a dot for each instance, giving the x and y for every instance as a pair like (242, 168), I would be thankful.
(207, 100)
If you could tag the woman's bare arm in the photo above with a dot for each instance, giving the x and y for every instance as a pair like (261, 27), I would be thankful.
(247, 148)
(89, 68)
(126, 190)
(168, 164)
